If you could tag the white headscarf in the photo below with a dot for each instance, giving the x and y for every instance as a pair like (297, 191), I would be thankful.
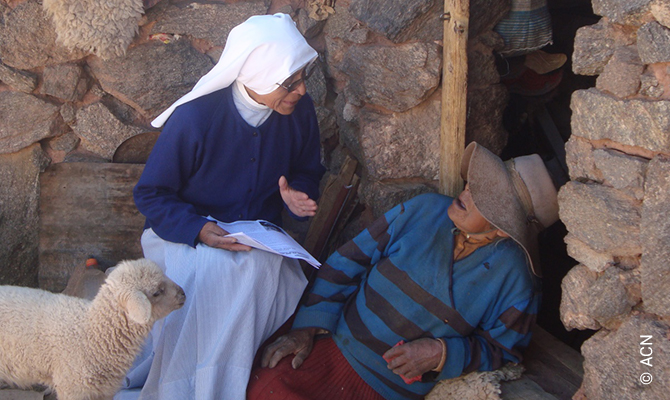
(261, 52)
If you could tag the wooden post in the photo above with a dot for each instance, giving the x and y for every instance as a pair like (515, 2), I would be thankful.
(454, 94)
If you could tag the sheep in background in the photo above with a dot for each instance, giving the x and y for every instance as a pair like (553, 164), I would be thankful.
(83, 348)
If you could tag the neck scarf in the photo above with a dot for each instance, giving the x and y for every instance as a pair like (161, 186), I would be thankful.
(252, 112)
(261, 52)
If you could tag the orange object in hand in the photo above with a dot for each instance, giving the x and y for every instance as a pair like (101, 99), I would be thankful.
(404, 378)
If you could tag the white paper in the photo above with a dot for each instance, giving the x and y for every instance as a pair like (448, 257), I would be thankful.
(267, 236)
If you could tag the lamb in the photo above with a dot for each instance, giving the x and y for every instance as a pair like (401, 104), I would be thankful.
(83, 348)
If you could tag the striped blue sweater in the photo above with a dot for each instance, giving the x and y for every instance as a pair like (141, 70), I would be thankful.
(397, 281)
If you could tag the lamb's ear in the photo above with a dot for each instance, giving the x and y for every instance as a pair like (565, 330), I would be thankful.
(138, 307)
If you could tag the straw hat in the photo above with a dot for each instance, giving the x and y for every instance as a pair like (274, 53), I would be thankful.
(516, 196)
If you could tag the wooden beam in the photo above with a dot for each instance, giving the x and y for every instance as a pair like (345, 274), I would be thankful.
(454, 94)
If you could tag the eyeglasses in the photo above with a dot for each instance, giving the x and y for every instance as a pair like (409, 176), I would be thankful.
(306, 73)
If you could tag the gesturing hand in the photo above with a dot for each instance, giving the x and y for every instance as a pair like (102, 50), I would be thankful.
(298, 342)
(214, 236)
(298, 202)
(414, 358)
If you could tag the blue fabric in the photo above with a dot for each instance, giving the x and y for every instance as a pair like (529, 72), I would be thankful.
(209, 161)
(526, 28)
(397, 281)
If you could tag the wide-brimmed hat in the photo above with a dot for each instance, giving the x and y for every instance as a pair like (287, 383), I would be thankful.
(517, 196)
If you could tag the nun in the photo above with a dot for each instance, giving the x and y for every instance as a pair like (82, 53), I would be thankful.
(243, 144)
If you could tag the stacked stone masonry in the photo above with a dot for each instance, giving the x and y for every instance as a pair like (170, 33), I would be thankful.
(79, 90)
(616, 207)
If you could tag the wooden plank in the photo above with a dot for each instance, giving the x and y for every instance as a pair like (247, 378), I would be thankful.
(523, 389)
(332, 200)
(554, 366)
(86, 209)
(454, 94)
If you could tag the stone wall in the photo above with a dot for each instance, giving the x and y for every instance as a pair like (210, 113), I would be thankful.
(617, 205)
(377, 94)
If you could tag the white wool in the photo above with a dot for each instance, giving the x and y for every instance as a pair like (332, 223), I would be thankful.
(476, 385)
(102, 27)
(78, 347)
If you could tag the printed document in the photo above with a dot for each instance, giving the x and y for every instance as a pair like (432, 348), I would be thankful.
(267, 236)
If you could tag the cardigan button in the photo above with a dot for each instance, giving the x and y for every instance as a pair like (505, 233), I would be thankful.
(255, 134)
(253, 159)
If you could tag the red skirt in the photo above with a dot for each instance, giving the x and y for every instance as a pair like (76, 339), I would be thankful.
(325, 375)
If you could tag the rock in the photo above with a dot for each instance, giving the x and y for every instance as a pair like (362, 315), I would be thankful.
(628, 12)
(614, 362)
(580, 251)
(26, 120)
(484, 15)
(58, 147)
(653, 42)
(149, 86)
(316, 85)
(394, 77)
(594, 46)
(574, 307)
(19, 194)
(660, 9)
(381, 197)
(484, 122)
(65, 81)
(401, 145)
(608, 300)
(655, 239)
(622, 171)
(580, 160)
(642, 123)
(482, 70)
(402, 20)
(212, 22)
(606, 219)
(28, 39)
(100, 131)
(650, 86)
(22, 81)
(342, 25)
(621, 75)
(309, 27)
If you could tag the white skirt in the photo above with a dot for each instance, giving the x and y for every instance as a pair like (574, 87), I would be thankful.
(234, 302)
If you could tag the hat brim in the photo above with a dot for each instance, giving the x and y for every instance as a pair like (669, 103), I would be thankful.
(494, 196)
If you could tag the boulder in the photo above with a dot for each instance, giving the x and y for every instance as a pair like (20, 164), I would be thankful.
(149, 86)
(655, 271)
(26, 120)
(653, 42)
(606, 219)
(634, 122)
(574, 309)
(19, 194)
(100, 131)
(67, 82)
(629, 12)
(22, 81)
(28, 39)
(621, 75)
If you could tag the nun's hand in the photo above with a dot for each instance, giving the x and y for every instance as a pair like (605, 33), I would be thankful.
(298, 202)
(214, 236)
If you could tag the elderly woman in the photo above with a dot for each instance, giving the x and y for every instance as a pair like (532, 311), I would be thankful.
(436, 288)
(242, 145)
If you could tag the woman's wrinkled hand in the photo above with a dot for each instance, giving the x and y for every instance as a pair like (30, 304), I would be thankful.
(214, 236)
(298, 202)
(414, 358)
(298, 342)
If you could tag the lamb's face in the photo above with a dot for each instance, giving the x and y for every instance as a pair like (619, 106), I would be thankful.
(151, 295)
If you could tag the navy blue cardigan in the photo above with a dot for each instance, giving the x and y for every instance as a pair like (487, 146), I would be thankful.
(208, 161)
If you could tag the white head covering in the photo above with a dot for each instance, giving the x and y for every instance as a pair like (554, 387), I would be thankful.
(261, 52)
